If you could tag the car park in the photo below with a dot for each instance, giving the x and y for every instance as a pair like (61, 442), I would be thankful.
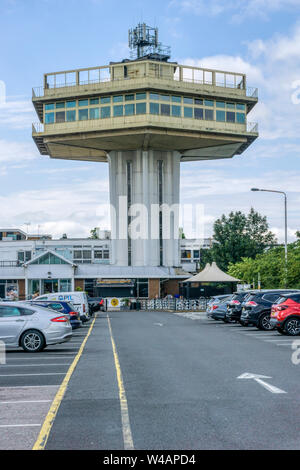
(234, 306)
(65, 308)
(78, 299)
(256, 309)
(285, 314)
(32, 327)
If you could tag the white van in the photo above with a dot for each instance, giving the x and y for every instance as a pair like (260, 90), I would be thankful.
(78, 299)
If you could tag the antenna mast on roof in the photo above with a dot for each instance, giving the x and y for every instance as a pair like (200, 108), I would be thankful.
(143, 42)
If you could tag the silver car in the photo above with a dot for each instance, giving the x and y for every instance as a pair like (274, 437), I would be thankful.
(32, 328)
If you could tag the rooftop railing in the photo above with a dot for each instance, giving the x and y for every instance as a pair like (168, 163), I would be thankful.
(163, 71)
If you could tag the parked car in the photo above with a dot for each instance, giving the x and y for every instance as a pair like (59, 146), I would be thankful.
(78, 299)
(219, 310)
(65, 308)
(214, 301)
(285, 314)
(32, 327)
(234, 306)
(95, 304)
(256, 309)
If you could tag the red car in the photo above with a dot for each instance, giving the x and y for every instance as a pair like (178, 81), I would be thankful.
(285, 314)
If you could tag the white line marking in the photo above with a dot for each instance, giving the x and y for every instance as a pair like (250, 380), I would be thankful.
(28, 386)
(27, 375)
(18, 425)
(34, 365)
(277, 340)
(258, 378)
(24, 401)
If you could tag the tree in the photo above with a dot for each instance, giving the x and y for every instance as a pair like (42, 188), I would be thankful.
(239, 236)
(271, 268)
(94, 234)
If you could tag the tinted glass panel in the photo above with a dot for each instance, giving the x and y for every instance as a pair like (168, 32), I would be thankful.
(49, 107)
(154, 108)
(154, 96)
(187, 100)
(176, 110)
(105, 99)
(83, 114)
(60, 116)
(94, 113)
(230, 117)
(209, 114)
(129, 109)
(165, 109)
(188, 112)
(118, 110)
(140, 108)
(198, 113)
(9, 312)
(60, 105)
(71, 104)
(49, 118)
(140, 96)
(198, 101)
(176, 99)
(117, 99)
(129, 97)
(105, 112)
(71, 115)
(220, 115)
(83, 102)
(208, 103)
(240, 117)
(94, 101)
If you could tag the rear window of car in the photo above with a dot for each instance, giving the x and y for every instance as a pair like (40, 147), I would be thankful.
(295, 298)
(280, 300)
(271, 297)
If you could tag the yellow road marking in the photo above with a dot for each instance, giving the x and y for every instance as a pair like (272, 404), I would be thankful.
(127, 436)
(41, 441)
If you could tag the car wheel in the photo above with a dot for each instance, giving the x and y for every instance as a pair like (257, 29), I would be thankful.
(292, 327)
(264, 323)
(32, 341)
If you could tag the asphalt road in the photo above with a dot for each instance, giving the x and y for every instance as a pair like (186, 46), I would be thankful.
(180, 378)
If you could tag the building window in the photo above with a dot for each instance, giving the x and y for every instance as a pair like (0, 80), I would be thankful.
(220, 104)
(94, 101)
(241, 106)
(129, 97)
(60, 105)
(105, 112)
(83, 114)
(209, 114)
(208, 103)
(71, 116)
(186, 254)
(198, 102)
(188, 112)
(60, 116)
(141, 108)
(118, 110)
(105, 99)
(230, 105)
(154, 108)
(188, 100)
(94, 113)
(165, 109)
(129, 109)
(49, 107)
(140, 96)
(220, 116)
(176, 110)
(49, 118)
(83, 103)
(117, 99)
(240, 118)
(71, 104)
(198, 113)
(230, 117)
(176, 99)
(154, 96)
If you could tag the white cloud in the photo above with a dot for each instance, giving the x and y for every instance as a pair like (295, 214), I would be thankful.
(12, 152)
(17, 113)
(239, 9)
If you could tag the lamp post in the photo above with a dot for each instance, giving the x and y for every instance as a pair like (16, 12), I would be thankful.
(285, 224)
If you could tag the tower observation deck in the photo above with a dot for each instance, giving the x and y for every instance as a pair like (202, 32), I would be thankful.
(144, 116)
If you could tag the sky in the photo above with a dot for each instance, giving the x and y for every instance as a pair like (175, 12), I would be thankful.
(258, 37)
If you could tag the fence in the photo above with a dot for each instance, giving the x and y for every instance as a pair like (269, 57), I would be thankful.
(174, 304)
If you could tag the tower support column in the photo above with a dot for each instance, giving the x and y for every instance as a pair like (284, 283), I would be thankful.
(144, 198)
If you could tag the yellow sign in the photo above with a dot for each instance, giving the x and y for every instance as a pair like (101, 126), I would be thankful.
(114, 302)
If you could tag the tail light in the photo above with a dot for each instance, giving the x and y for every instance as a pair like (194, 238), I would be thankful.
(63, 319)
(101, 302)
(235, 302)
(83, 308)
(251, 303)
(214, 307)
(282, 307)
(73, 313)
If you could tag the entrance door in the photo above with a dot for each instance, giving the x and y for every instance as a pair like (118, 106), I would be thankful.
(50, 286)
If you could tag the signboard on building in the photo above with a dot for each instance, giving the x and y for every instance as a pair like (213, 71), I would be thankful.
(115, 283)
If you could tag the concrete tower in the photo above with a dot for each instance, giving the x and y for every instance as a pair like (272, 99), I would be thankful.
(144, 116)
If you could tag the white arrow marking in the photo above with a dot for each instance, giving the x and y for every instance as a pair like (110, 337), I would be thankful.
(258, 378)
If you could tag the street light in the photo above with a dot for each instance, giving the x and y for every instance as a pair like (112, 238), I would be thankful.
(285, 224)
